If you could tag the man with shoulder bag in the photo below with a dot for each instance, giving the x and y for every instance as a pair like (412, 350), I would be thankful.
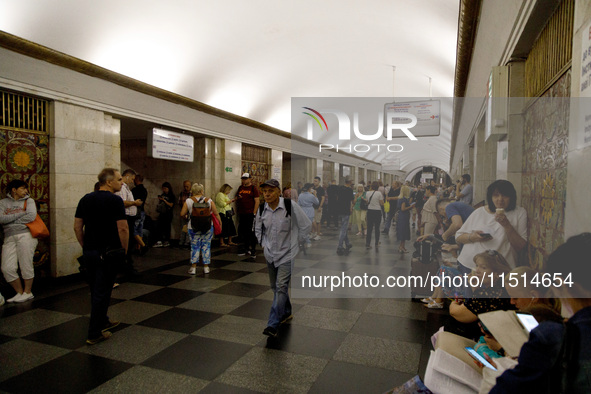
(101, 229)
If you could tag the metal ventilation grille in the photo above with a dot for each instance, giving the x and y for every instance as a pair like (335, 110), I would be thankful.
(551, 54)
(21, 112)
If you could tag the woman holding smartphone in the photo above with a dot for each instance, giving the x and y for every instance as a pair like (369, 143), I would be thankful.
(500, 225)
(403, 222)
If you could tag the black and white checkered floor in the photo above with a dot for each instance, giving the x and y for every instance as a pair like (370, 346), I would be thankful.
(203, 333)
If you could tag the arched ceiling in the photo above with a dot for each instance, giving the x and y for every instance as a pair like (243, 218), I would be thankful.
(251, 57)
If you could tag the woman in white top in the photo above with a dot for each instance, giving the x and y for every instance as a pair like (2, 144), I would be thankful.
(200, 240)
(428, 218)
(375, 202)
(500, 226)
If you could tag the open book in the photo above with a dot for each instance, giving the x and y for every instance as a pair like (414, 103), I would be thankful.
(507, 330)
(448, 374)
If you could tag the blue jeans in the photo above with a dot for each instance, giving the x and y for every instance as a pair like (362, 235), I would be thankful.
(389, 219)
(279, 278)
(343, 238)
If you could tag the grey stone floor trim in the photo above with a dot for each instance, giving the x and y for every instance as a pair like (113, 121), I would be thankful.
(134, 344)
(141, 379)
(23, 355)
(260, 369)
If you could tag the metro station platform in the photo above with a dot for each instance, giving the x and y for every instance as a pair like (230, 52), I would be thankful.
(203, 333)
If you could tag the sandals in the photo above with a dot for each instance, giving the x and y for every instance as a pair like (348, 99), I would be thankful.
(427, 300)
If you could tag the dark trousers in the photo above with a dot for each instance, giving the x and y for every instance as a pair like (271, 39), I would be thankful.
(245, 231)
(374, 218)
(101, 276)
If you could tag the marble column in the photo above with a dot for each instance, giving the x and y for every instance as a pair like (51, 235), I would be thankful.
(82, 142)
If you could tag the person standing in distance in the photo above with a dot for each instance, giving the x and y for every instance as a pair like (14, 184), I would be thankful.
(101, 229)
(247, 203)
(273, 228)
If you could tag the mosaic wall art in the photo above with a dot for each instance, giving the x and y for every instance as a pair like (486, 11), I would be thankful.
(255, 162)
(25, 156)
(545, 150)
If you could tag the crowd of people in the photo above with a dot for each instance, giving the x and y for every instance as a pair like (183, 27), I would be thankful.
(485, 243)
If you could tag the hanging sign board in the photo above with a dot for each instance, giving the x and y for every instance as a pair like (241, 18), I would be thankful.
(427, 113)
(168, 145)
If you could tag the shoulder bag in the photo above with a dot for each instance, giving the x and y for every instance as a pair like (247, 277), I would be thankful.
(37, 227)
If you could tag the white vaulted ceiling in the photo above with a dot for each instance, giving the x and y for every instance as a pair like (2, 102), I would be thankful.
(250, 57)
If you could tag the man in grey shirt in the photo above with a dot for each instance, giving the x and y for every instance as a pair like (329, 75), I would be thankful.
(464, 190)
(279, 227)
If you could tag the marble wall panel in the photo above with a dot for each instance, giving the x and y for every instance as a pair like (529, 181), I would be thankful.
(78, 123)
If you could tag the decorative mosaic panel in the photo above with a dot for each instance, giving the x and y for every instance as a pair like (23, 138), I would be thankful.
(255, 162)
(25, 156)
(545, 151)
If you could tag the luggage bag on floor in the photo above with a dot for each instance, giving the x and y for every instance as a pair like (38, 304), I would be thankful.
(425, 263)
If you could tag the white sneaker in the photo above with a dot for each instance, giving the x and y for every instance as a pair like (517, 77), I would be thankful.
(158, 245)
(2, 300)
(317, 238)
(25, 297)
(16, 297)
(206, 269)
(192, 271)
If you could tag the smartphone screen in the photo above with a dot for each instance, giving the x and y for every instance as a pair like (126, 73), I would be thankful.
(527, 321)
(479, 358)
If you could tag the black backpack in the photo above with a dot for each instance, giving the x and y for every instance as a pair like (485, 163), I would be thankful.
(201, 215)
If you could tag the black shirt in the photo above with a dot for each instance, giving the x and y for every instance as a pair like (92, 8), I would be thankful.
(344, 197)
(319, 193)
(140, 192)
(100, 212)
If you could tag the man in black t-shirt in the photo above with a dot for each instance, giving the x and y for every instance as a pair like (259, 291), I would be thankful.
(343, 207)
(101, 229)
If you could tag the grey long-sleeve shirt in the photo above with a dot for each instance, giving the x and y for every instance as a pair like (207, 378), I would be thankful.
(281, 232)
(13, 216)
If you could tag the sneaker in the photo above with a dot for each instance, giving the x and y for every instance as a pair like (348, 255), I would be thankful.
(435, 305)
(25, 297)
(241, 254)
(427, 300)
(317, 238)
(270, 332)
(358, 234)
(286, 319)
(192, 271)
(158, 245)
(104, 336)
(16, 297)
(206, 269)
(165, 245)
(111, 325)
(2, 300)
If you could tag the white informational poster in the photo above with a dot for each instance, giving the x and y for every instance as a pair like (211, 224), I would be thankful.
(584, 112)
(428, 114)
(169, 145)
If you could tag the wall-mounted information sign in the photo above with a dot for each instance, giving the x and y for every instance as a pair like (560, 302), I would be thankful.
(168, 145)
